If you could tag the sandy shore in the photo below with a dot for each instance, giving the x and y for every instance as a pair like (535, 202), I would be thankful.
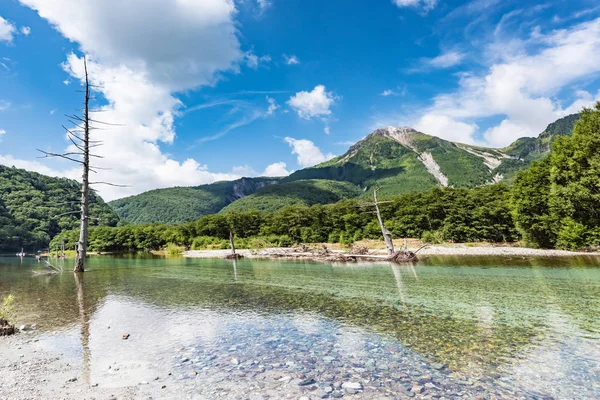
(434, 250)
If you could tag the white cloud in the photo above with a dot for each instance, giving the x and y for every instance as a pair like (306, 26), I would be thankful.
(291, 60)
(425, 4)
(2, 132)
(53, 111)
(276, 169)
(521, 87)
(272, 106)
(308, 154)
(312, 104)
(67, 82)
(139, 69)
(327, 130)
(387, 93)
(38, 167)
(4, 105)
(447, 128)
(6, 30)
(446, 60)
(25, 30)
(253, 61)
(263, 4)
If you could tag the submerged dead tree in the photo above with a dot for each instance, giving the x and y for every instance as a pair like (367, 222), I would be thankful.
(79, 135)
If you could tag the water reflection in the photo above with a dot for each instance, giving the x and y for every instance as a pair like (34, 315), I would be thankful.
(479, 316)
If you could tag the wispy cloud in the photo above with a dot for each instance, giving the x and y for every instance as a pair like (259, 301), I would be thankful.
(291, 60)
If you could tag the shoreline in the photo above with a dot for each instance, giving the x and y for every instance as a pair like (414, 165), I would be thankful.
(318, 254)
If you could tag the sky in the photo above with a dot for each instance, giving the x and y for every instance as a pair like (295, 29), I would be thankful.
(205, 90)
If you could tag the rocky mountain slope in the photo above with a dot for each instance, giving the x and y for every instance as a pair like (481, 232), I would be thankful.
(398, 159)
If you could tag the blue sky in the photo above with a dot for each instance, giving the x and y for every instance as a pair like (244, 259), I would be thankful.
(208, 90)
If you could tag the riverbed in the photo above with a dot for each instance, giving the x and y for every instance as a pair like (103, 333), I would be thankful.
(446, 327)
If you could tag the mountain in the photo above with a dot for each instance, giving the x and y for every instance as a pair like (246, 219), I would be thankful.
(34, 208)
(402, 160)
(183, 204)
(524, 151)
(309, 192)
(398, 159)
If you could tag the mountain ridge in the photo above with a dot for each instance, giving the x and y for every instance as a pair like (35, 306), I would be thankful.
(399, 159)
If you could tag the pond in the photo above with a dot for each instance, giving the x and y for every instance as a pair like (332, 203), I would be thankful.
(447, 326)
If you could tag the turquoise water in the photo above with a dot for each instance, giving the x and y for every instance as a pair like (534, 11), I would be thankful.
(529, 326)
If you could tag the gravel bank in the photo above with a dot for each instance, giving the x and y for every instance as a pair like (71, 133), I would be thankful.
(435, 250)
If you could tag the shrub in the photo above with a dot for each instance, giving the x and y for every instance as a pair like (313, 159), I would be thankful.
(6, 307)
(433, 237)
(572, 235)
(174, 250)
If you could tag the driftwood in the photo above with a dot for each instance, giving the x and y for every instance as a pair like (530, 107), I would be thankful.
(359, 250)
(403, 256)
(6, 329)
(234, 256)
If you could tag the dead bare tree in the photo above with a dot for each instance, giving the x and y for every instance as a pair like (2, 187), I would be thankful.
(387, 235)
(79, 136)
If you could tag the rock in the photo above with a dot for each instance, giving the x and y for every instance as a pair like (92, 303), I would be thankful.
(74, 379)
(235, 361)
(352, 385)
(94, 385)
(307, 382)
(33, 326)
(184, 359)
(126, 336)
(285, 379)
(424, 379)
(23, 328)
(417, 389)
(438, 366)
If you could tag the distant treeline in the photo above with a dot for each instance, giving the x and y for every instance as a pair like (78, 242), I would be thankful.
(460, 215)
(556, 203)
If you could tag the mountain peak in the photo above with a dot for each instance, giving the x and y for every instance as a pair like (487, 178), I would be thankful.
(402, 130)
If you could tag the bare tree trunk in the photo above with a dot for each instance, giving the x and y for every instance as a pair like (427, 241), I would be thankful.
(387, 235)
(85, 184)
(231, 241)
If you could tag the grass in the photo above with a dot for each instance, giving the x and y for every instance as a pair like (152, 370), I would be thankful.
(6, 307)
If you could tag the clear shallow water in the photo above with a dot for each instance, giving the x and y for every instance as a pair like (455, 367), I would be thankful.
(528, 327)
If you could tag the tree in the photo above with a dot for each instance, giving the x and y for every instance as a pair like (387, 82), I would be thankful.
(531, 208)
(557, 201)
(79, 136)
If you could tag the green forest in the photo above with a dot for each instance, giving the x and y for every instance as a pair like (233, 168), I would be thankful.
(34, 208)
(553, 204)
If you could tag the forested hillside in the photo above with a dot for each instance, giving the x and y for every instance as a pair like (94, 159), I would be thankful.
(307, 193)
(183, 204)
(400, 160)
(33, 207)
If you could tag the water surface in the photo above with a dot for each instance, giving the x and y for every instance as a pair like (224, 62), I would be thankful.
(528, 327)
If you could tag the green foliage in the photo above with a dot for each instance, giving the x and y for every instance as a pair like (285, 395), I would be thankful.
(275, 197)
(557, 201)
(530, 202)
(33, 209)
(433, 237)
(174, 250)
(6, 307)
(481, 214)
(184, 204)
